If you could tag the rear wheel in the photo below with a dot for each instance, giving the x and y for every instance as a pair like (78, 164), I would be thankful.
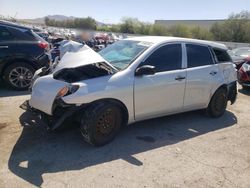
(19, 75)
(218, 103)
(100, 123)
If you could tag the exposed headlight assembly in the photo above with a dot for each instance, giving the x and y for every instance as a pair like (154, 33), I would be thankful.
(67, 90)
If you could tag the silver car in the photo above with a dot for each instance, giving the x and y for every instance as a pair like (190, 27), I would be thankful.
(133, 80)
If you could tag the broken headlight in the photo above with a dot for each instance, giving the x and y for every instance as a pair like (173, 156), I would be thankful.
(67, 90)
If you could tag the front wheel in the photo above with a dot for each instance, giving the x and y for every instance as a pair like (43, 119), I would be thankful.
(218, 103)
(100, 123)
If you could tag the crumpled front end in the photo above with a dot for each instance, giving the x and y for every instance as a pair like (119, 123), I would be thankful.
(46, 102)
(49, 90)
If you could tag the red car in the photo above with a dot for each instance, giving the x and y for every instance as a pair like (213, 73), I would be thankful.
(244, 74)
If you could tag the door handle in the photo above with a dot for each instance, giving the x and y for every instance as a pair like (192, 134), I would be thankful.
(4, 46)
(179, 78)
(213, 73)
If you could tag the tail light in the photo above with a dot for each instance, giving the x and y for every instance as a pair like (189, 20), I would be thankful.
(246, 67)
(242, 75)
(43, 45)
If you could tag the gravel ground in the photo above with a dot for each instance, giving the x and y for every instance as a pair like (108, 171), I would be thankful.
(184, 150)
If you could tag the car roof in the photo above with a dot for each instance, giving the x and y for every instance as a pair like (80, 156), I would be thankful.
(11, 24)
(161, 39)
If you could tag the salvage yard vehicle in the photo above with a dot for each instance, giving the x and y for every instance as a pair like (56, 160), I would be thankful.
(244, 74)
(239, 56)
(21, 53)
(132, 80)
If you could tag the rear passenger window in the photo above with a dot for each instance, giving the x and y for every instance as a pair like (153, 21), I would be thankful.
(222, 55)
(166, 58)
(21, 34)
(198, 55)
(5, 34)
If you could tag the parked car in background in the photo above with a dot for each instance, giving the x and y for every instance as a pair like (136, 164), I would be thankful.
(42, 33)
(133, 80)
(21, 53)
(244, 74)
(239, 55)
(240, 52)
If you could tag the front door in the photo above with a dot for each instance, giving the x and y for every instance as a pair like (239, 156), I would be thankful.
(162, 92)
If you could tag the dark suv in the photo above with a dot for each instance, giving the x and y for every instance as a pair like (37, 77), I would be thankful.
(22, 52)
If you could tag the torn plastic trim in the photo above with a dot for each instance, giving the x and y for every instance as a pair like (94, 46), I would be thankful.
(53, 122)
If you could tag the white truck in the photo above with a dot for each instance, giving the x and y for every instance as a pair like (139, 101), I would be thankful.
(132, 80)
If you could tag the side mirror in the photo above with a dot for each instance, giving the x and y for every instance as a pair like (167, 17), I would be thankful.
(145, 70)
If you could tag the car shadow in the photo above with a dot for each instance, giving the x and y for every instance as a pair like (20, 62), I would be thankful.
(47, 152)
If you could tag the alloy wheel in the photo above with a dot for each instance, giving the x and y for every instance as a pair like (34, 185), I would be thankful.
(20, 77)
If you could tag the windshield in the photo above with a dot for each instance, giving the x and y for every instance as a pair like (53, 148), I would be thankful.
(122, 53)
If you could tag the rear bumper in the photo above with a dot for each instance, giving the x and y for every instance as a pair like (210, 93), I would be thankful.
(232, 92)
(243, 78)
(43, 61)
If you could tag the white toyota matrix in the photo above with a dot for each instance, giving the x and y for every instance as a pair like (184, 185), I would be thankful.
(133, 80)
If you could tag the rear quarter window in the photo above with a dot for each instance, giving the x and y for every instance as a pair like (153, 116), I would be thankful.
(221, 55)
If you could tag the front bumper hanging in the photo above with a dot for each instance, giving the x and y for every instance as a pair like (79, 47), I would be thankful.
(55, 121)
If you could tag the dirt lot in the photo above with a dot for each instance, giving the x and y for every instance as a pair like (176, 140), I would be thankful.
(185, 150)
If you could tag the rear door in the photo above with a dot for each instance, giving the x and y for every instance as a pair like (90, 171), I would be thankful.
(27, 43)
(202, 74)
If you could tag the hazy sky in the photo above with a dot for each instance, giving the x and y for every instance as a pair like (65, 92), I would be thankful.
(111, 11)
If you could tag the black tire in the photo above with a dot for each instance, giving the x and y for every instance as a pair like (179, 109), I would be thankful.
(24, 77)
(100, 123)
(218, 103)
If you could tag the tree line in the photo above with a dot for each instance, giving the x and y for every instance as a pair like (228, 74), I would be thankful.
(234, 29)
(81, 23)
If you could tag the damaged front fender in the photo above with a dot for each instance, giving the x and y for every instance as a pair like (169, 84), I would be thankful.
(44, 92)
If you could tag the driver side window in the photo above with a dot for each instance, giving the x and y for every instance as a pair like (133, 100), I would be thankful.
(166, 58)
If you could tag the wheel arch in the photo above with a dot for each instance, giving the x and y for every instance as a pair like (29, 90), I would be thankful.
(120, 104)
(17, 60)
(224, 86)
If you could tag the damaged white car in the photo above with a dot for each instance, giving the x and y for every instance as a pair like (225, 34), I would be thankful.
(133, 80)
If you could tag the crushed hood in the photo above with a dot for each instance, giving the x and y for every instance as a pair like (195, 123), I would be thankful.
(85, 56)
(69, 46)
